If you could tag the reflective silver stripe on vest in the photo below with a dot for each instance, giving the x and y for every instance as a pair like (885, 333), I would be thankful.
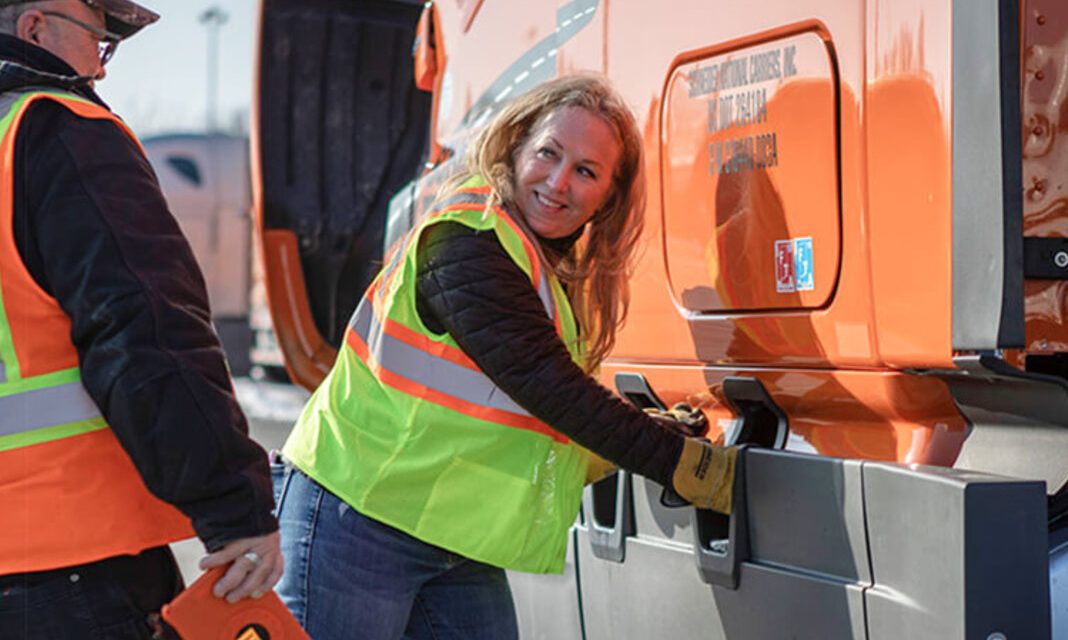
(545, 292)
(395, 259)
(8, 99)
(462, 197)
(48, 407)
(412, 363)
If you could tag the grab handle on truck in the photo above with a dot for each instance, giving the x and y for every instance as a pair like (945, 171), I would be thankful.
(761, 421)
(609, 509)
(609, 503)
(635, 388)
(721, 542)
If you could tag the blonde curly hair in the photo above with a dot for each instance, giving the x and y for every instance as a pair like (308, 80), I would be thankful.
(597, 270)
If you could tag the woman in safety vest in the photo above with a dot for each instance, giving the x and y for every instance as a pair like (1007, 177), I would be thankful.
(452, 438)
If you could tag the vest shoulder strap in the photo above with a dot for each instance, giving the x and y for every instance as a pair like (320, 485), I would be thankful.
(9, 98)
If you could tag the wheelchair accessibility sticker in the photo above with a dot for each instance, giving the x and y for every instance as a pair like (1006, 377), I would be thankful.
(794, 265)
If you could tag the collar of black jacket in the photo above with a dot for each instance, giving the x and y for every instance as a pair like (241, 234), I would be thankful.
(557, 248)
(24, 64)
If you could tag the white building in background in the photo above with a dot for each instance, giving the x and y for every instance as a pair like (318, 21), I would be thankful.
(206, 181)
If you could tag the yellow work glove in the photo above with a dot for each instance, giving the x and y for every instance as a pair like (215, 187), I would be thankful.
(597, 468)
(705, 475)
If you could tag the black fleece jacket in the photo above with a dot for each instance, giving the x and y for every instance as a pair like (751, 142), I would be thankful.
(94, 231)
(469, 287)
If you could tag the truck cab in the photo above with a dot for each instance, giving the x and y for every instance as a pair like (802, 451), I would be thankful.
(853, 262)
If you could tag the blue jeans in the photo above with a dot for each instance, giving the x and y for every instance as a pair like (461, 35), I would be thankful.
(348, 576)
(112, 599)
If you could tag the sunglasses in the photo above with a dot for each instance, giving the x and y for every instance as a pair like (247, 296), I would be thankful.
(108, 41)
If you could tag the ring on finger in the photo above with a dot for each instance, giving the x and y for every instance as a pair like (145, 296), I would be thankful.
(252, 557)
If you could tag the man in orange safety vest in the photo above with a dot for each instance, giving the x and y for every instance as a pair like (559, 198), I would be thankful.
(119, 429)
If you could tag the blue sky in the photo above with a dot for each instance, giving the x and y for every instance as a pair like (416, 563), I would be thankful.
(158, 79)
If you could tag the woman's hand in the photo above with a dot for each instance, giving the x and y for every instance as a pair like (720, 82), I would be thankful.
(704, 475)
(682, 419)
(256, 565)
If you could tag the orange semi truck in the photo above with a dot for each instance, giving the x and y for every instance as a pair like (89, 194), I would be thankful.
(855, 259)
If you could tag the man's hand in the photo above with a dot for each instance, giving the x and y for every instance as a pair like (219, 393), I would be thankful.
(255, 567)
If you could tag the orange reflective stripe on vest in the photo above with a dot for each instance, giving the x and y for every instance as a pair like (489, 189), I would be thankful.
(443, 375)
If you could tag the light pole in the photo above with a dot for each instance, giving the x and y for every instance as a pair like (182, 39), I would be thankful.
(213, 18)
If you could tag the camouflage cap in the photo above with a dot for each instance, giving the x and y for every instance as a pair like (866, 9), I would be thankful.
(124, 17)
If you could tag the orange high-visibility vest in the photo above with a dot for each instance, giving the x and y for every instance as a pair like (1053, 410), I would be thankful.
(69, 494)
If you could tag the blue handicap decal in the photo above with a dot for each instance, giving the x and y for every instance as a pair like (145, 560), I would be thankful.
(804, 278)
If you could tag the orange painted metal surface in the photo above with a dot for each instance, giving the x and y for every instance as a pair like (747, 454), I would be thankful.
(475, 58)
(895, 217)
(425, 51)
(908, 218)
(431, 45)
(468, 11)
(586, 49)
(875, 415)
(308, 356)
(750, 176)
(870, 96)
(862, 164)
(704, 300)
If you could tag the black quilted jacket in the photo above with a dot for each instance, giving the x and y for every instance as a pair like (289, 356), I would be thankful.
(469, 287)
(93, 230)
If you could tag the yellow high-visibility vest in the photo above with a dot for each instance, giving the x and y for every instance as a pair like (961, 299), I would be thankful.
(408, 431)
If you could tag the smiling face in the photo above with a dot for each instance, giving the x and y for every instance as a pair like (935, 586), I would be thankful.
(564, 171)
